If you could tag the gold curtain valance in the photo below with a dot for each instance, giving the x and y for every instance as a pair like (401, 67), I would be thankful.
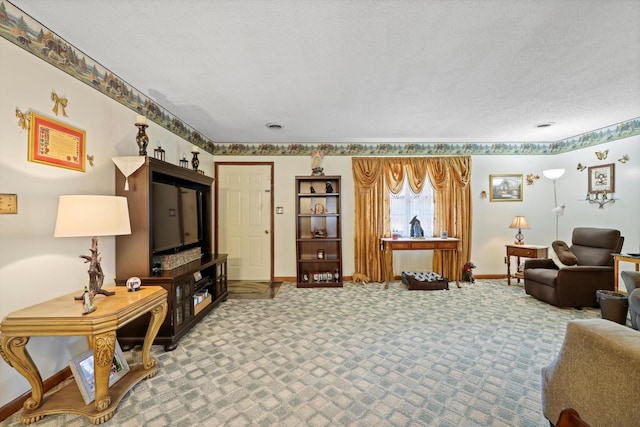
(374, 177)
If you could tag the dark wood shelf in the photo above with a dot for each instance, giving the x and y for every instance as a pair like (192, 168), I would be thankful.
(314, 212)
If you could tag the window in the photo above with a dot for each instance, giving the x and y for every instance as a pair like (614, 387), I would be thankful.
(406, 204)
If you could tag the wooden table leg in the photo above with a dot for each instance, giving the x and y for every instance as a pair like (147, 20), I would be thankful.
(616, 271)
(158, 314)
(386, 265)
(14, 352)
(508, 269)
(103, 349)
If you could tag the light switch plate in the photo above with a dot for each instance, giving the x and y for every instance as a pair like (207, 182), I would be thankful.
(279, 210)
(8, 203)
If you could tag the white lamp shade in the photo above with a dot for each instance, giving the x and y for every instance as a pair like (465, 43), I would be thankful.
(553, 173)
(80, 216)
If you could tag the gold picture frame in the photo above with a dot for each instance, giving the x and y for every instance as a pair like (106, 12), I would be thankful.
(82, 368)
(56, 144)
(505, 188)
(602, 179)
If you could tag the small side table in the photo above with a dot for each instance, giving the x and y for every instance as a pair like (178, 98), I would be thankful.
(523, 251)
(635, 259)
(63, 316)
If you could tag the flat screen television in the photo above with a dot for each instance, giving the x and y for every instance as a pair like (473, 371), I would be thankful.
(177, 218)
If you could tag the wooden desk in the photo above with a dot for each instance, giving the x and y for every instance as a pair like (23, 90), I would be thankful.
(617, 258)
(388, 245)
(63, 317)
(523, 251)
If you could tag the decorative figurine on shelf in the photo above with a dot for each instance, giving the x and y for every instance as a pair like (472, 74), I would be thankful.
(87, 302)
(195, 162)
(158, 153)
(133, 284)
(328, 188)
(316, 159)
(416, 228)
(313, 190)
(336, 276)
(141, 138)
(305, 277)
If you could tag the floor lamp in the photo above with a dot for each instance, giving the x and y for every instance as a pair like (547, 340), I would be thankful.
(554, 175)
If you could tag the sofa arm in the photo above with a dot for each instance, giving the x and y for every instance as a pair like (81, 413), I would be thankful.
(596, 372)
(540, 263)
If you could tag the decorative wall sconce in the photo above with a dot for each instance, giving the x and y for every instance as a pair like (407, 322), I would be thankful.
(158, 153)
(23, 119)
(600, 198)
(531, 178)
(60, 103)
(142, 139)
(601, 155)
(183, 161)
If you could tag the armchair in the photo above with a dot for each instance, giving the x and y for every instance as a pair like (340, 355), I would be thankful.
(576, 285)
(632, 283)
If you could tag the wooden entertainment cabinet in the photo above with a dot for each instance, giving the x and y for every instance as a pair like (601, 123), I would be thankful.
(206, 276)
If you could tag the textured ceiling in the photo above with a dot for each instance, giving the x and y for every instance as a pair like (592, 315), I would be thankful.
(368, 71)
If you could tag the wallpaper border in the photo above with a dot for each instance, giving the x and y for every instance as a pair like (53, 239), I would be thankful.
(22, 30)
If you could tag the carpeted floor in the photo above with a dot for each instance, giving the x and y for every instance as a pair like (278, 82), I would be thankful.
(355, 356)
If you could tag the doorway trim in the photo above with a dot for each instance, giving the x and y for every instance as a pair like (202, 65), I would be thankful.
(216, 205)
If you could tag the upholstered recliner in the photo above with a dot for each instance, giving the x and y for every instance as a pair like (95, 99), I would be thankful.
(632, 283)
(576, 285)
(596, 372)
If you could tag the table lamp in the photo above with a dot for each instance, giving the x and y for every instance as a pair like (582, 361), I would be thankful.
(519, 222)
(83, 216)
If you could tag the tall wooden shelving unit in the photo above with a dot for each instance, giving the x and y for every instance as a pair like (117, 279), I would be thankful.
(318, 231)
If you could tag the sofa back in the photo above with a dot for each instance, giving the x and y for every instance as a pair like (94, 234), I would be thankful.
(594, 246)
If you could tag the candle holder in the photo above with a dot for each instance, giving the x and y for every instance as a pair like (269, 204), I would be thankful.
(142, 139)
(158, 153)
(194, 161)
(184, 162)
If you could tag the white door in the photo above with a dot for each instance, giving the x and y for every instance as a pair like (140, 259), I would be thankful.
(244, 220)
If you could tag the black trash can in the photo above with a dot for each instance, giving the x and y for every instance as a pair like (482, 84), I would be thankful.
(613, 306)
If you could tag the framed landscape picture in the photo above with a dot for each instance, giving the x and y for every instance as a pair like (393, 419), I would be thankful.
(602, 178)
(83, 372)
(505, 188)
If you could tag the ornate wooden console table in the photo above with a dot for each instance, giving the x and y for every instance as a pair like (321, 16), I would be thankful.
(63, 317)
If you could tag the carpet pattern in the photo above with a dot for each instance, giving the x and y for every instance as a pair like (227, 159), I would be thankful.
(355, 356)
